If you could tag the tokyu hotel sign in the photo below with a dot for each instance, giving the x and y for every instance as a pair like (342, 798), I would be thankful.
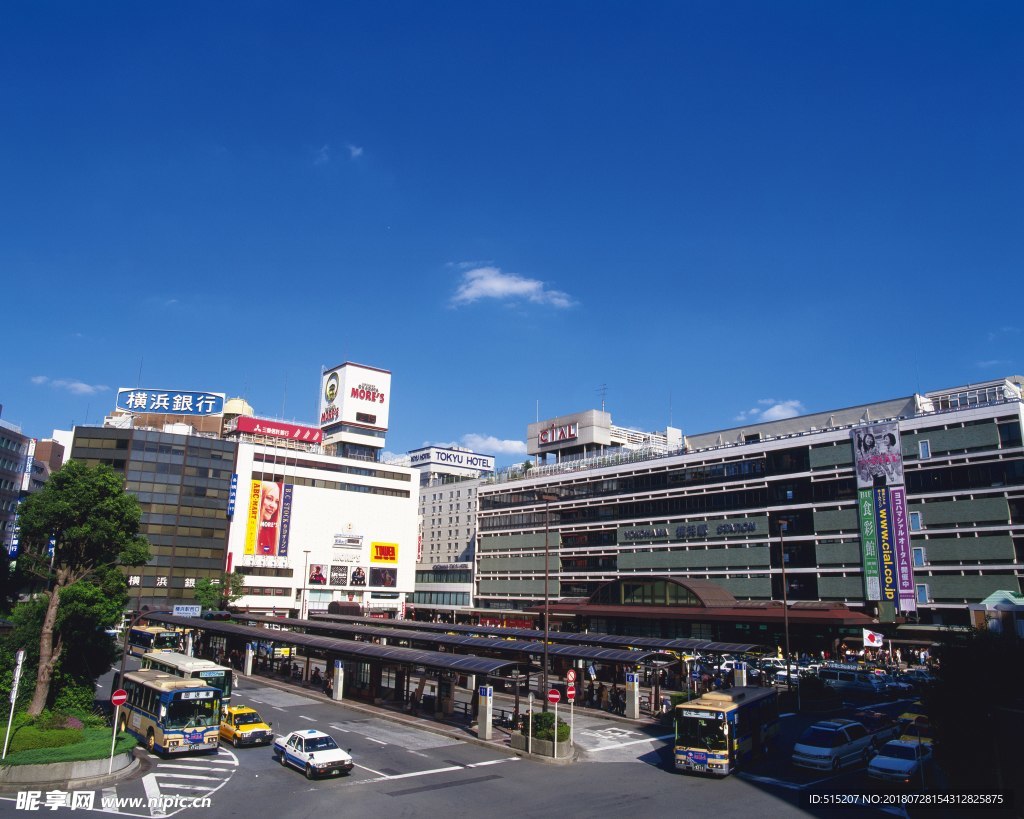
(170, 402)
(460, 459)
(694, 530)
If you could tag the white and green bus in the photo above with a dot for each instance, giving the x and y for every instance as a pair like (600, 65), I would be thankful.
(169, 714)
(193, 668)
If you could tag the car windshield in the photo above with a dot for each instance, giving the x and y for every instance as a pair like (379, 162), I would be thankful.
(320, 744)
(898, 751)
(186, 714)
(247, 719)
(819, 737)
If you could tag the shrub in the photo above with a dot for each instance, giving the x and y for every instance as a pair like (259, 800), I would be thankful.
(29, 737)
(543, 726)
(93, 743)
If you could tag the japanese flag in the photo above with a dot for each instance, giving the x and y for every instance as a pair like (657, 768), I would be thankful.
(872, 639)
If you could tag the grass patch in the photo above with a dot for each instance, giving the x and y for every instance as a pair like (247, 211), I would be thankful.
(92, 743)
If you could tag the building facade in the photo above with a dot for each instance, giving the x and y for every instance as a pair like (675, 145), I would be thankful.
(756, 507)
(14, 459)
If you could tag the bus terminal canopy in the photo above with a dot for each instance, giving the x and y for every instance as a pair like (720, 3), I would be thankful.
(523, 647)
(437, 660)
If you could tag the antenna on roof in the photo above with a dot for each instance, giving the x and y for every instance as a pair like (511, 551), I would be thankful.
(602, 390)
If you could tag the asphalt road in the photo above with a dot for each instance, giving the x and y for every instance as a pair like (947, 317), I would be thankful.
(404, 769)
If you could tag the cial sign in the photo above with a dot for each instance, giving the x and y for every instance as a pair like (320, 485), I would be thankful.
(119, 698)
(187, 611)
(556, 434)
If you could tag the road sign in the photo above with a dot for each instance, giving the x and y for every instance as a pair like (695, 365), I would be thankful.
(187, 611)
(570, 675)
(486, 691)
(119, 697)
(554, 696)
(632, 679)
(570, 692)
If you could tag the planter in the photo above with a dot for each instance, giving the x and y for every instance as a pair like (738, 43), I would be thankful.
(542, 747)
(72, 773)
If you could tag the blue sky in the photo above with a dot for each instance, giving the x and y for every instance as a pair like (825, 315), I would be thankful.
(704, 212)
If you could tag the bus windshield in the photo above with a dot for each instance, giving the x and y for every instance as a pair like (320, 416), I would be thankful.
(217, 679)
(702, 731)
(192, 713)
(166, 640)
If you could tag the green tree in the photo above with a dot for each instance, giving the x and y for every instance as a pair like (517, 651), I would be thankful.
(94, 525)
(217, 595)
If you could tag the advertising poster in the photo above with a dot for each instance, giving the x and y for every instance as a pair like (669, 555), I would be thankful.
(878, 459)
(339, 575)
(386, 553)
(286, 519)
(252, 525)
(886, 547)
(358, 576)
(868, 544)
(901, 542)
(317, 576)
(383, 578)
(270, 518)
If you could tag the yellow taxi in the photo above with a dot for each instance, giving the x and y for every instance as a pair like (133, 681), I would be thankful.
(241, 725)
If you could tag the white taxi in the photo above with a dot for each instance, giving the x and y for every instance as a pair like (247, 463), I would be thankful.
(312, 752)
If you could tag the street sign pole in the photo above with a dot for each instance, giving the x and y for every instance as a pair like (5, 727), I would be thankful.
(554, 739)
(118, 698)
(14, 695)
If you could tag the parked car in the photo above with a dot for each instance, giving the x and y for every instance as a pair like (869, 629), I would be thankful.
(312, 752)
(920, 678)
(831, 744)
(881, 726)
(904, 763)
(241, 725)
(852, 681)
(895, 687)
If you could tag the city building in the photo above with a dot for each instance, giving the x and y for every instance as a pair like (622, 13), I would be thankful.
(449, 478)
(904, 510)
(14, 459)
(355, 401)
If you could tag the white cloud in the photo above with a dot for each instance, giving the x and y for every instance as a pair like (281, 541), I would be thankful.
(484, 444)
(992, 363)
(74, 387)
(490, 283)
(354, 151)
(323, 156)
(770, 409)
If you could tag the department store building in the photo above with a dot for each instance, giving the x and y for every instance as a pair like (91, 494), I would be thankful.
(906, 511)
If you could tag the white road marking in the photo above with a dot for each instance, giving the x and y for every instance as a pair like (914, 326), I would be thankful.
(308, 718)
(423, 773)
(339, 728)
(109, 794)
(633, 742)
(153, 794)
(493, 762)
(185, 776)
(371, 770)
(378, 741)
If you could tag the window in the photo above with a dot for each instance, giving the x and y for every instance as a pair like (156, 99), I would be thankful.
(919, 556)
(915, 522)
(922, 592)
(924, 450)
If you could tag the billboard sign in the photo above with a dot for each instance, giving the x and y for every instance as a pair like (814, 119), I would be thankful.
(868, 544)
(901, 543)
(170, 402)
(460, 459)
(878, 459)
(355, 395)
(886, 545)
(384, 553)
(26, 478)
(339, 575)
(278, 429)
(263, 529)
(383, 578)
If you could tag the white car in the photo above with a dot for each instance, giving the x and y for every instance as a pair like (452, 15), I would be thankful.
(900, 762)
(312, 752)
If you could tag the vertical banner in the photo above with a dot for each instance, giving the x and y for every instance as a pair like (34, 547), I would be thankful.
(270, 519)
(286, 519)
(886, 550)
(253, 524)
(868, 544)
(232, 495)
(901, 542)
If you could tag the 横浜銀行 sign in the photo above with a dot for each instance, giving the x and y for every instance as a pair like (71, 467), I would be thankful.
(170, 402)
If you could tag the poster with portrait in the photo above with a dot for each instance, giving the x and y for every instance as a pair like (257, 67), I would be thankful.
(878, 459)
(383, 578)
(263, 529)
(339, 575)
(358, 577)
(317, 576)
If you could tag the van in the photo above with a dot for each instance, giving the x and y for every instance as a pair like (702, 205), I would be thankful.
(852, 682)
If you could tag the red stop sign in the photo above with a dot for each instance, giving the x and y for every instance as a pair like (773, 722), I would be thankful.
(553, 695)
(570, 692)
(119, 697)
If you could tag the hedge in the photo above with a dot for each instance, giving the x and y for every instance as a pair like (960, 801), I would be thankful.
(94, 743)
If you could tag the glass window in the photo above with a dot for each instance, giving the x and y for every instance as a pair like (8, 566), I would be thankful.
(922, 592)
(924, 450)
(919, 558)
(915, 522)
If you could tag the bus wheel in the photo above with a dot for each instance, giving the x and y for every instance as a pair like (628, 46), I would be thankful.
(151, 742)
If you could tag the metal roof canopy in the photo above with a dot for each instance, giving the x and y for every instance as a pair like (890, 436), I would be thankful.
(371, 651)
(528, 647)
(680, 644)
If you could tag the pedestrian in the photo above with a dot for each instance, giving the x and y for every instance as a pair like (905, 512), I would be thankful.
(590, 694)
(414, 703)
(328, 685)
(602, 697)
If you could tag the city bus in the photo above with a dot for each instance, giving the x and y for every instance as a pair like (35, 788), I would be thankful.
(169, 714)
(154, 638)
(193, 668)
(723, 729)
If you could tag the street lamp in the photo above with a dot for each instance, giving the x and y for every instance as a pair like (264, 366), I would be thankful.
(547, 497)
(785, 603)
(305, 590)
